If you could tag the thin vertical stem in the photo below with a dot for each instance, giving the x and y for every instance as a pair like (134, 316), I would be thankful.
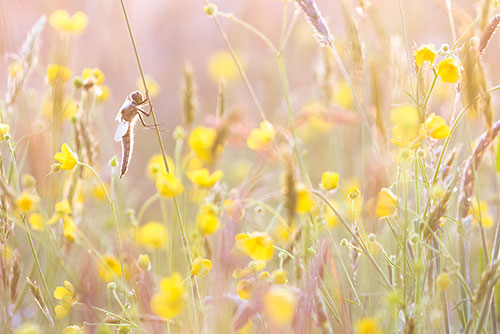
(185, 241)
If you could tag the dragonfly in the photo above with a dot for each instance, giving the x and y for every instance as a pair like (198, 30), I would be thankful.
(130, 111)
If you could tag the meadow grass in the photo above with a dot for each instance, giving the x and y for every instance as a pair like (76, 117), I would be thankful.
(366, 201)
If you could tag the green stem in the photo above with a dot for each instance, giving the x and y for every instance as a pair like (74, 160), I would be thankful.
(185, 240)
(113, 212)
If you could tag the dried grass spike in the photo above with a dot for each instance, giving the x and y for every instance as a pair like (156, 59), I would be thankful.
(488, 33)
(14, 275)
(313, 16)
(188, 95)
(471, 166)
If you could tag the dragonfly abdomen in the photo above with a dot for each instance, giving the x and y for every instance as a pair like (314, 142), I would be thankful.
(127, 140)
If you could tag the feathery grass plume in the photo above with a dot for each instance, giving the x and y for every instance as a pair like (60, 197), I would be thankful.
(313, 16)
(475, 82)
(445, 170)
(221, 99)
(188, 94)
(488, 280)
(439, 210)
(356, 48)
(488, 33)
(90, 144)
(28, 58)
(314, 276)
(15, 272)
(35, 291)
(7, 192)
(471, 166)
(377, 102)
(223, 131)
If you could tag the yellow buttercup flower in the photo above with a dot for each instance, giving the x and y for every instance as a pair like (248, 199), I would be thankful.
(152, 235)
(329, 180)
(202, 141)
(109, 268)
(169, 302)
(153, 86)
(92, 75)
(69, 228)
(36, 222)
(407, 129)
(387, 203)
(157, 165)
(279, 304)
(450, 70)
(66, 296)
(244, 289)
(63, 22)
(27, 201)
(74, 329)
(4, 131)
(368, 326)
(253, 267)
(257, 245)
(261, 137)
(143, 262)
(435, 127)
(66, 157)
(342, 95)
(278, 276)
(425, 53)
(353, 193)
(305, 201)
(207, 221)
(201, 267)
(443, 281)
(221, 66)
(480, 213)
(203, 179)
(57, 74)
(168, 185)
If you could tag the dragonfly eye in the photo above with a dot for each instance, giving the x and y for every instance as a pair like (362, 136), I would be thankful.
(137, 97)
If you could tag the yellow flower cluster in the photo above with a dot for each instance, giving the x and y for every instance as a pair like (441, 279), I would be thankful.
(169, 302)
(207, 221)
(202, 141)
(168, 185)
(203, 178)
(261, 137)
(27, 201)
(329, 180)
(109, 268)
(63, 22)
(67, 158)
(257, 245)
(63, 211)
(279, 304)
(66, 295)
(152, 235)
(201, 267)
(57, 74)
(387, 203)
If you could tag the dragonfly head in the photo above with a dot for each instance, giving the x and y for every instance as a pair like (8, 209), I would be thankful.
(137, 97)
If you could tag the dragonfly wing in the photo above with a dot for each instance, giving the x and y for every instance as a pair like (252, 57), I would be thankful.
(122, 130)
